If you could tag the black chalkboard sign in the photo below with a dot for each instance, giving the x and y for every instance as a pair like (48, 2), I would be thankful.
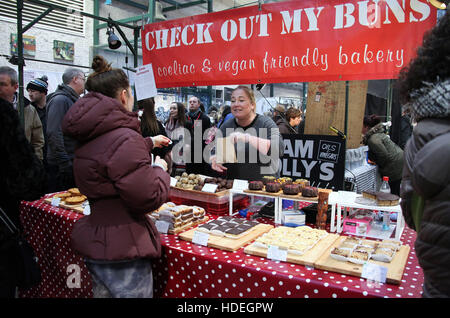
(317, 158)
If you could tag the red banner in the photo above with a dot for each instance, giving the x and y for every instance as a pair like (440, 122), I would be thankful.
(292, 41)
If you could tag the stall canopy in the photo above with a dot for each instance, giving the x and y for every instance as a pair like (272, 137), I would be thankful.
(292, 41)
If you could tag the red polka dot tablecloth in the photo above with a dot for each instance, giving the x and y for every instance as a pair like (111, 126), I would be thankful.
(63, 272)
(190, 270)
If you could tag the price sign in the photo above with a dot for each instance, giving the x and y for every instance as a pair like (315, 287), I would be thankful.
(276, 254)
(56, 201)
(162, 226)
(240, 185)
(173, 182)
(200, 238)
(209, 187)
(374, 272)
(87, 210)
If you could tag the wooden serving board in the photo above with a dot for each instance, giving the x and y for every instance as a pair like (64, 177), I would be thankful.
(74, 207)
(261, 192)
(298, 197)
(229, 244)
(309, 258)
(395, 267)
(216, 194)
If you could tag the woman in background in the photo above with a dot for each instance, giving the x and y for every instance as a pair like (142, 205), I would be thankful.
(151, 127)
(177, 128)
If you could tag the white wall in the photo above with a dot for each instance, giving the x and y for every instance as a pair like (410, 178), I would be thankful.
(44, 49)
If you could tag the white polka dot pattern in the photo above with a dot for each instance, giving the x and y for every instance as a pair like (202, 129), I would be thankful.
(189, 270)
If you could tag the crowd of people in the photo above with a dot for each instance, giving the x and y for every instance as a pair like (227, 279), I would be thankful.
(121, 159)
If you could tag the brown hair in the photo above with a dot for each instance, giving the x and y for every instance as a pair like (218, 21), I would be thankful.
(371, 121)
(181, 113)
(149, 123)
(248, 92)
(105, 79)
(293, 112)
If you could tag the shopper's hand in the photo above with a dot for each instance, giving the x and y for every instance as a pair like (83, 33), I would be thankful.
(161, 162)
(160, 141)
(217, 166)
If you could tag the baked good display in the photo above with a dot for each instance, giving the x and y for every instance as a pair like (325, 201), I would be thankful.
(179, 217)
(267, 179)
(196, 182)
(74, 191)
(229, 227)
(73, 200)
(71, 197)
(291, 189)
(359, 251)
(381, 198)
(309, 192)
(296, 240)
(63, 195)
(369, 194)
(387, 199)
(255, 185)
(273, 187)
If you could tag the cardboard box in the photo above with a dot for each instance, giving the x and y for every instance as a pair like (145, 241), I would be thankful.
(359, 225)
(293, 218)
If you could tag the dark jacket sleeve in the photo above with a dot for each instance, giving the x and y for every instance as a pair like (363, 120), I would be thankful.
(142, 187)
(431, 174)
(22, 172)
(406, 187)
(56, 110)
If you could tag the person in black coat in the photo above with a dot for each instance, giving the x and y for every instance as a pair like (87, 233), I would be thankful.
(200, 123)
(425, 188)
(22, 177)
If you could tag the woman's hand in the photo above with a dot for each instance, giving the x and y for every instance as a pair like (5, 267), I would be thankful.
(161, 162)
(160, 141)
(217, 166)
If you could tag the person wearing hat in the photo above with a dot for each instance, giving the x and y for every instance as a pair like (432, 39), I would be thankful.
(32, 124)
(37, 91)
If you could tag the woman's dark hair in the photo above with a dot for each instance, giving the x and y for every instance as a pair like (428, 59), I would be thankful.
(432, 61)
(181, 113)
(226, 110)
(371, 121)
(105, 79)
(293, 112)
(149, 123)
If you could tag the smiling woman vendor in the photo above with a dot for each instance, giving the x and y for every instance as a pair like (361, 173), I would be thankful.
(256, 139)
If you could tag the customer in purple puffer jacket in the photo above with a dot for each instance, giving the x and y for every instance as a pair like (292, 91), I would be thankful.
(112, 167)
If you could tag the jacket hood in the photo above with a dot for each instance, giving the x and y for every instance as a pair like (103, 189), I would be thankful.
(431, 101)
(377, 129)
(94, 115)
(65, 90)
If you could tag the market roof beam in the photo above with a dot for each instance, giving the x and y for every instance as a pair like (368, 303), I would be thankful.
(41, 16)
(64, 9)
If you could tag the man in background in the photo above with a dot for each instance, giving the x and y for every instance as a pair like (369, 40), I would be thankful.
(200, 122)
(60, 148)
(37, 91)
(32, 124)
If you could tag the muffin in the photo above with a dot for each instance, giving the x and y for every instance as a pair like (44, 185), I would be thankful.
(273, 187)
(255, 185)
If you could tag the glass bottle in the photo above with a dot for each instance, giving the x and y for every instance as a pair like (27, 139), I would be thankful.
(386, 215)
